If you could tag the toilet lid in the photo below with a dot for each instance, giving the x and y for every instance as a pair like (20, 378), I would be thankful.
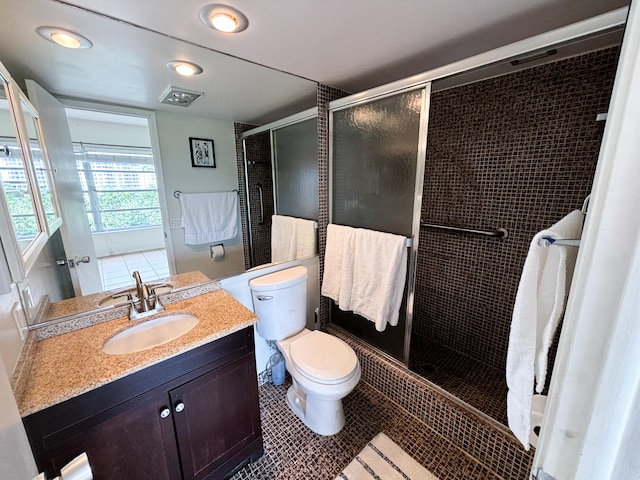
(322, 357)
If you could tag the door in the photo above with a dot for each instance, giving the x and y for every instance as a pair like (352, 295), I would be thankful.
(76, 235)
(376, 177)
(259, 178)
(217, 417)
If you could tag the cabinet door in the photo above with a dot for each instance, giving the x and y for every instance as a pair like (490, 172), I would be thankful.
(217, 420)
(132, 441)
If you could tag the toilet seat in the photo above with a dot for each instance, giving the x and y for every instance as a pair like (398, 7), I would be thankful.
(323, 358)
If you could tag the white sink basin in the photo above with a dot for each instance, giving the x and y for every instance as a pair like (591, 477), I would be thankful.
(150, 334)
(120, 300)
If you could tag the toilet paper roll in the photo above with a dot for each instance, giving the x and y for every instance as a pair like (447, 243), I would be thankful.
(538, 405)
(217, 252)
(77, 469)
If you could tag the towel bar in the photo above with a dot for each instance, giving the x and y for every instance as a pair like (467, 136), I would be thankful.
(560, 242)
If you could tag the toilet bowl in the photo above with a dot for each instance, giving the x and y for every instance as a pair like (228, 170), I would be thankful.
(324, 369)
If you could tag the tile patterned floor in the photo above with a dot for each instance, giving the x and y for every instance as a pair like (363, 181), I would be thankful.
(477, 384)
(293, 452)
(116, 271)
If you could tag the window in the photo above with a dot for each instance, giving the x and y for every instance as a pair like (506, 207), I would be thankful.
(17, 192)
(119, 186)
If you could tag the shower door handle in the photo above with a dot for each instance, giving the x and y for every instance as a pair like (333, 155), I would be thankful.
(261, 196)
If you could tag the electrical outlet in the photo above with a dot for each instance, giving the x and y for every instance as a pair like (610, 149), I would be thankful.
(175, 223)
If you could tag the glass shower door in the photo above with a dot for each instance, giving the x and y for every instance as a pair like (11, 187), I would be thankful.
(295, 149)
(377, 164)
(259, 178)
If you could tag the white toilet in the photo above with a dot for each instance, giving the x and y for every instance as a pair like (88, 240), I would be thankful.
(324, 369)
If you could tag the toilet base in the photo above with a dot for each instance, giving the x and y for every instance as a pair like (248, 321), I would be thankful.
(324, 417)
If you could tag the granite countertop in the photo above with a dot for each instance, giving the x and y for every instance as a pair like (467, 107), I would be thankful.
(67, 365)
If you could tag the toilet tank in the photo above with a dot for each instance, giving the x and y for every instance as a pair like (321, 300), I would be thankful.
(280, 302)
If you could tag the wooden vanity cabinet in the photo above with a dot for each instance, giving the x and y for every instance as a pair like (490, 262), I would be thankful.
(194, 416)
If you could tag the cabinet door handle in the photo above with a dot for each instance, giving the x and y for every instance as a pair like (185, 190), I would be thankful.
(165, 412)
(179, 407)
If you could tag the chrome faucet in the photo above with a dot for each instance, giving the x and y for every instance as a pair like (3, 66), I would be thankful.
(146, 304)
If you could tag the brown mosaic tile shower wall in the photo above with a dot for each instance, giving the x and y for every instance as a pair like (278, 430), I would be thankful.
(518, 152)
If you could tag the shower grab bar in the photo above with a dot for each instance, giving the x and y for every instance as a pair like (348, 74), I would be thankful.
(260, 195)
(497, 233)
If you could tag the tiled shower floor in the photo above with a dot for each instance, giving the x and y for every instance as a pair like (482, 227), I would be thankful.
(292, 451)
(475, 383)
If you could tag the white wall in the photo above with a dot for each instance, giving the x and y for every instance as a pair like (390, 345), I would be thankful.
(238, 287)
(10, 342)
(174, 130)
(16, 460)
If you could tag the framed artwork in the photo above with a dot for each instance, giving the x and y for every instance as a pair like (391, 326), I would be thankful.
(202, 154)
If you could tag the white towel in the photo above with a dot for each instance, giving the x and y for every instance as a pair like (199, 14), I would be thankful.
(209, 217)
(292, 238)
(379, 274)
(338, 264)
(539, 304)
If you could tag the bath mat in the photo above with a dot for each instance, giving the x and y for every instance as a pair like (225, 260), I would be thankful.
(382, 459)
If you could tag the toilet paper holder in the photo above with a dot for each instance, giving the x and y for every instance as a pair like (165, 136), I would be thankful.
(216, 252)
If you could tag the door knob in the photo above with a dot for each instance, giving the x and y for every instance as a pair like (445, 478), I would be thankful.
(179, 407)
(165, 412)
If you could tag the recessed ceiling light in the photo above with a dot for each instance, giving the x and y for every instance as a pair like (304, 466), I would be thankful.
(186, 69)
(223, 18)
(64, 38)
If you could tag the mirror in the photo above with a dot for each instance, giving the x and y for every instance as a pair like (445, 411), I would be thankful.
(238, 93)
(23, 227)
(15, 187)
(42, 167)
(281, 178)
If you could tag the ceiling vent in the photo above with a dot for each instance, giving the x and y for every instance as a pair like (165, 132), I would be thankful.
(179, 97)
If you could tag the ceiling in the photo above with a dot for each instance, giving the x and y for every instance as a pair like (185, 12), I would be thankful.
(269, 70)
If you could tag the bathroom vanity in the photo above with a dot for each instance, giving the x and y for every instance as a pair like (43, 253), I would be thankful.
(184, 409)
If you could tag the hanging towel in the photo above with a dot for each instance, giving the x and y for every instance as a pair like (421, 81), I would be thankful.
(292, 238)
(338, 264)
(209, 217)
(539, 304)
(379, 274)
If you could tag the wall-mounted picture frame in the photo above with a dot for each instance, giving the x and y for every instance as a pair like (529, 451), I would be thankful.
(202, 154)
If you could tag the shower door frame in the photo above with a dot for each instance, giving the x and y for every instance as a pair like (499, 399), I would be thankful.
(343, 104)
(601, 25)
(303, 116)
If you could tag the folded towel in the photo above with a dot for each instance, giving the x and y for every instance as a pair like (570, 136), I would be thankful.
(209, 217)
(338, 264)
(539, 304)
(292, 238)
(379, 274)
